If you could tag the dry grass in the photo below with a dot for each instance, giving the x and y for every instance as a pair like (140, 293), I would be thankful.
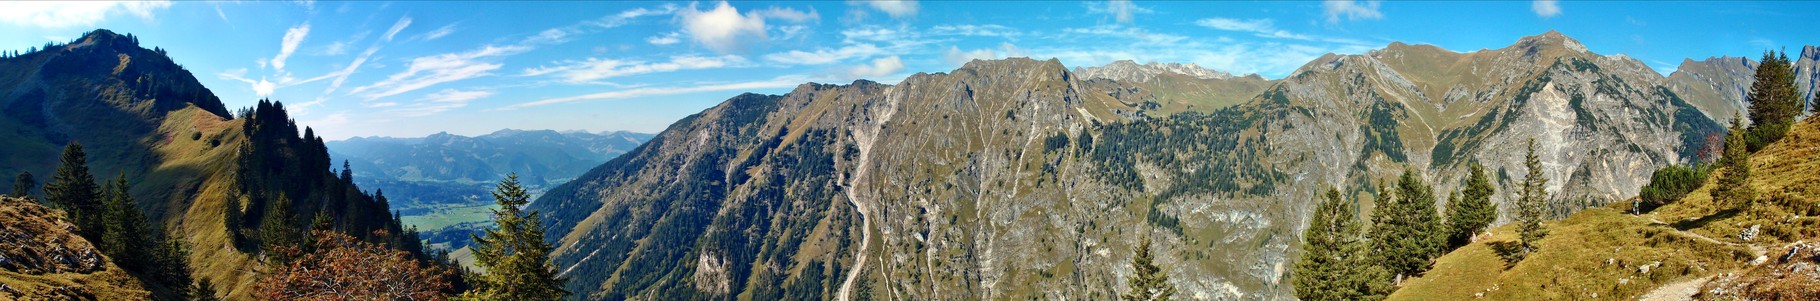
(1600, 253)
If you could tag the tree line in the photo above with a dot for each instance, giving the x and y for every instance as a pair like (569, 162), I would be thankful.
(1407, 233)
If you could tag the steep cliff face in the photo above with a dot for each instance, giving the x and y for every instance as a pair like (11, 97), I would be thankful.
(1018, 179)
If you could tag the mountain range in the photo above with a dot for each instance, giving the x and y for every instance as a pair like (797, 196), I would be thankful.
(1021, 179)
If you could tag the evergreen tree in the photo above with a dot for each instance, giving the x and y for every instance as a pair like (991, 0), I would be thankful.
(1774, 101)
(124, 237)
(278, 229)
(1733, 188)
(1407, 228)
(514, 254)
(23, 185)
(1148, 281)
(231, 216)
(1472, 210)
(1813, 105)
(172, 268)
(1333, 265)
(1530, 199)
(204, 291)
(75, 191)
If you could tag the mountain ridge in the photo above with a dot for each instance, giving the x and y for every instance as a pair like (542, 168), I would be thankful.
(952, 185)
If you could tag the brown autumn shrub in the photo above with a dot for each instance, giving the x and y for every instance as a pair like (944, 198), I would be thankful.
(340, 268)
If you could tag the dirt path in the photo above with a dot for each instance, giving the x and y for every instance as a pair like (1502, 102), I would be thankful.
(1678, 291)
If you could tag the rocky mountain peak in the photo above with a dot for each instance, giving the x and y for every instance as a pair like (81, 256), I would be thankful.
(1128, 70)
(1548, 41)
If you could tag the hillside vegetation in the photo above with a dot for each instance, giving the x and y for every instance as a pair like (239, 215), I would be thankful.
(1610, 253)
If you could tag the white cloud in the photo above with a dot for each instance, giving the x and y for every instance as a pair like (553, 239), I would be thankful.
(665, 39)
(1265, 28)
(879, 67)
(1139, 35)
(65, 14)
(342, 77)
(222, 14)
(431, 70)
(897, 9)
(336, 48)
(447, 99)
(723, 28)
(594, 69)
(788, 81)
(790, 14)
(292, 38)
(1351, 10)
(1546, 8)
(877, 34)
(625, 17)
(440, 32)
(396, 27)
(988, 30)
(825, 55)
(957, 57)
(261, 87)
(1123, 11)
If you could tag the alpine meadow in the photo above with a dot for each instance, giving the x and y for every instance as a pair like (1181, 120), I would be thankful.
(905, 150)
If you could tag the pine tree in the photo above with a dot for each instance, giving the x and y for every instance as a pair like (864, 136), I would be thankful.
(1473, 210)
(278, 229)
(1333, 265)
(172, 268)
(1148, 281)
(1733, 188)
(124, 237)
(231, 216)
(1406, 227)
(23, 185)
(1530, 200)
(204, 291)
(514, 254)
(75, 191)
(1774, 101)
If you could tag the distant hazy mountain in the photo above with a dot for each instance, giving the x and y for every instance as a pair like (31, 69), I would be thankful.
(539, 157)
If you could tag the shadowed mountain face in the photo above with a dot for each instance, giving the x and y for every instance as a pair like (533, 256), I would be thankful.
(1019, 179)
(143, 117)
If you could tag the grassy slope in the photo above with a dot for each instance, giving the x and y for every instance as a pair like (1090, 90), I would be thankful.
(1602, 250)
(198, 168)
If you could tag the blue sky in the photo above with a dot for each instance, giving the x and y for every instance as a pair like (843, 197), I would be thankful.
(414, 68)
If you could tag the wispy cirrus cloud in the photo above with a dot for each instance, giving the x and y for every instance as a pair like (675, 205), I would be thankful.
(595, 69)
(438, 102)
(1122, 11)
(427, 71)
(292, 38)
(971, 30)
(1266, 28)
(432, 35)
(826, 55)
(779, 82)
